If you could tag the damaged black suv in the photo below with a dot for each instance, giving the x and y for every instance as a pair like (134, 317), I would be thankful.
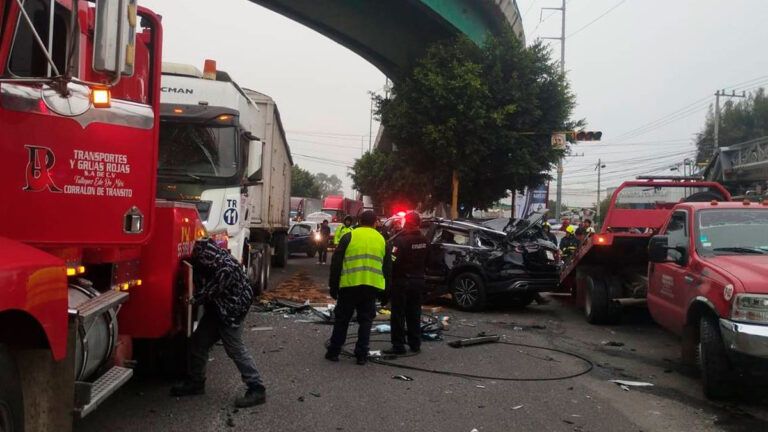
(475, 263)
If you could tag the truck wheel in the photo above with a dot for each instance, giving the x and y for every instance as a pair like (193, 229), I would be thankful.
(597, 303)
(281, 251)
(716, 370)
(468, 292)
(255, 270)
(11, 401)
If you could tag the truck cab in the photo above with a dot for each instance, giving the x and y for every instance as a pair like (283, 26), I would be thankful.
(706, 282)
(209, 154)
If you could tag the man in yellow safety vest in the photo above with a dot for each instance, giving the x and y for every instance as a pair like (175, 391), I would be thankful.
(359, 274)
(342, 230)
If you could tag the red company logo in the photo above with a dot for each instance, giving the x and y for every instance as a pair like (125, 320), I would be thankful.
(41, 160)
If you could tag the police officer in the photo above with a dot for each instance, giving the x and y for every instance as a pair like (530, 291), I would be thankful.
(409, 255)
(342, 230)
(359, 271)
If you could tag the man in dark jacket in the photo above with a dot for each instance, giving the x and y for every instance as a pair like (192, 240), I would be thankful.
(409, 255)
(359, 273)
(322, 244)
(222, 287)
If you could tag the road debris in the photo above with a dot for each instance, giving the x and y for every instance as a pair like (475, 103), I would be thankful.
(402, 378)
(474, 341)
(517, 407)
(480, 386)
(315, 394)
(382, 328)
(613, 343)
(261, 329)
(624, 383)
(299, 288)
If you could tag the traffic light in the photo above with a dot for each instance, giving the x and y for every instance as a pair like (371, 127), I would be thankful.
(588, 135)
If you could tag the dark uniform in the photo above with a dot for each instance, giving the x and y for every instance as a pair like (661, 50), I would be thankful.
(409, 254)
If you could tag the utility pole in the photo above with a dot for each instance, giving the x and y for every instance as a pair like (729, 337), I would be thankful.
(558, 201)
(599, 168)
(370, 126)
(717, 111)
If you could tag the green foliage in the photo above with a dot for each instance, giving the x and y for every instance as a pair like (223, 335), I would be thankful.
(470, 109)
(739, 121)
(329, 185)
(303, 183)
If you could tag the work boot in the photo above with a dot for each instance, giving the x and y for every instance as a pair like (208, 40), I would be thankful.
(331, 356)
(253, 396)
(362, 360)
(395, 351)
(188, 388)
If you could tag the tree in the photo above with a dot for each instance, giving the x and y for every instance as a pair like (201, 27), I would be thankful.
(486, 112)
(303, 183)
(329, 185)
(739, 122)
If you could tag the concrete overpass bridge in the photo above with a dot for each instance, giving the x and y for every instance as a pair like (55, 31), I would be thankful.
(393, 34)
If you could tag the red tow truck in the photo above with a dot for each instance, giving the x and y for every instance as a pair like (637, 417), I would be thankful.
(611, 266)
(90, 262)
(707, 283)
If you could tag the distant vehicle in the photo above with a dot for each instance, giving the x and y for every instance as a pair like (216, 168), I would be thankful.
(476, 264)
(339, 207)
(301, 238)
(318, 217)
(301, 207)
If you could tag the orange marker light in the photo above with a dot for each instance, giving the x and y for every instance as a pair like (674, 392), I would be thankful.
(178, 110)
(224, 117)
(101, 98)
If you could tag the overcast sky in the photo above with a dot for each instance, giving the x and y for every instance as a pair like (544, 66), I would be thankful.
(643, 62)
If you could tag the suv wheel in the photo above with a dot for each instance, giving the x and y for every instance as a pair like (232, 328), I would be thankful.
(468, 292)
(716, 370)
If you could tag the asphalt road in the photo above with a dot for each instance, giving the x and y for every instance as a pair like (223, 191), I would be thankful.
(308, 393)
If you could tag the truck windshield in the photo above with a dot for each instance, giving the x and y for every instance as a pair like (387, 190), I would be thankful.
(198, 152)
(732, 231)
(661, 197)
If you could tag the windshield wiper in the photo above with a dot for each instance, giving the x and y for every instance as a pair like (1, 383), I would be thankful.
(179, 172)
(740, 249)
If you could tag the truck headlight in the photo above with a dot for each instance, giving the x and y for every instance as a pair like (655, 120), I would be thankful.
(750, 308)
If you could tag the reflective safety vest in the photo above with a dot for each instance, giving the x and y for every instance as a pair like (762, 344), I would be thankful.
(340, 231)
(364, 259)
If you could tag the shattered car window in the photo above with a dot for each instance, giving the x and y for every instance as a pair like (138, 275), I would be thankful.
(483, 241)
(449, 236)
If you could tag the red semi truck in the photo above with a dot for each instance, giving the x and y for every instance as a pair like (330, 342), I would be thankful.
(339, 207)
(90, 262)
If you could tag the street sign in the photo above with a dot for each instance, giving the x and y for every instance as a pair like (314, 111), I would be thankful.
(558, 141)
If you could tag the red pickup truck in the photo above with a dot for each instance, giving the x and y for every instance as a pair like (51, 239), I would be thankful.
(708, 282)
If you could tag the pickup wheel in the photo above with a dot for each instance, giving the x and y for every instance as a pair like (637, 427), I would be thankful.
(598, 308)
(11, 402)
(716, 370)
(468, 292)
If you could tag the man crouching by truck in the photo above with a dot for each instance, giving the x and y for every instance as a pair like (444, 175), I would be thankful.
(222, 287)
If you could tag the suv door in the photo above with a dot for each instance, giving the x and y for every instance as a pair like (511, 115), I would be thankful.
(448, 247)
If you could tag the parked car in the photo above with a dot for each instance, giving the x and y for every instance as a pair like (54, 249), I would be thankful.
(301, 238)
(476, 264)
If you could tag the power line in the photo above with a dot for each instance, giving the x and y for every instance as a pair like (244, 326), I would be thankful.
(596, 19)
(530, 6)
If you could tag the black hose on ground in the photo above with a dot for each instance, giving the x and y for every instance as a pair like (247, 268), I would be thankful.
(386, 362)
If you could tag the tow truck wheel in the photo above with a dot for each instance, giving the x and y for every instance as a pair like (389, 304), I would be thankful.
(597, 303)
(468, 292)
(11, 402)
(716, 370)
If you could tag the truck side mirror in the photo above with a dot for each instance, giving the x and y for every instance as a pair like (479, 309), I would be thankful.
(114, 37)
(255, 153)
(657, 249)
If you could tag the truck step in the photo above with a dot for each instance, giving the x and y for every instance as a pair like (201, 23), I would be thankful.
(100, 304)
(102, 388)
